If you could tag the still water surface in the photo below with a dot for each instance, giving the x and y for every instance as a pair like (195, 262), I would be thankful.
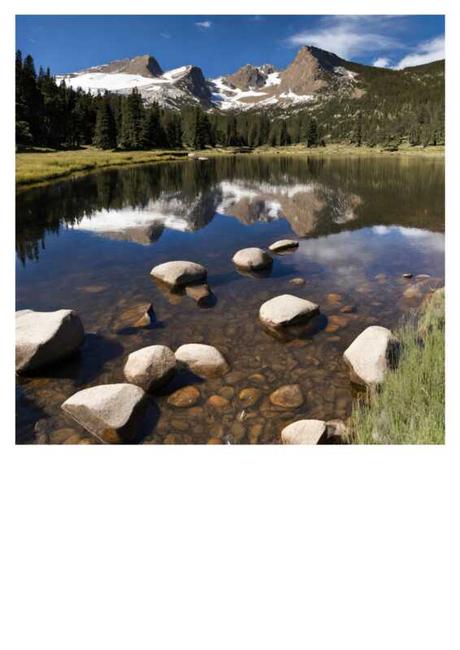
(89, 244)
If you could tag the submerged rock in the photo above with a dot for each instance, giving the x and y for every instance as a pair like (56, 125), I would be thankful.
(303, 432)
(252, 259)
(283, 245)
(287, 310)
(42, 338)
(150, 367)
(297, 282)
(179, 273)
(371, 355)
(184, 397)
(288, 397)
(202, 359)
(111, 412)
(140, 315)
(200, 293)
(218, 402)
(249, 396)
(348, 309)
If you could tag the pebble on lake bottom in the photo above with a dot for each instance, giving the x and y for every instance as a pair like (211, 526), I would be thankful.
(288, 396)
(184, 397)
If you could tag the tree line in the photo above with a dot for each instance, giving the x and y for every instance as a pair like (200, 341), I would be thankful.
(53, 115)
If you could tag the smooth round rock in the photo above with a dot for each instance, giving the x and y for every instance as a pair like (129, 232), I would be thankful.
(42, 338)
(184, 397)
(252, 259)
(371, 355)
(203, 360)
(111, 412)
(283, 245)
(286, 310)
(150, 367)
(303, 432)
(218, 402)
(297, 281)
(249, 396)
(288, 397)
(179, 273)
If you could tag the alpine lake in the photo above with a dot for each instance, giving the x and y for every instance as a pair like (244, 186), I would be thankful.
(89, 244)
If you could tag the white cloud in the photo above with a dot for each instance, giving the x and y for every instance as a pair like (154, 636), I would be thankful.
(205, 24)
(348, 35)
(381, 62)
(425, 52)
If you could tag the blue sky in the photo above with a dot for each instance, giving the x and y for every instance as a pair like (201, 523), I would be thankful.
(221, 44)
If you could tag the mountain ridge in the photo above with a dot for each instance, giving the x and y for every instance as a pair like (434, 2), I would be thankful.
(312, 77)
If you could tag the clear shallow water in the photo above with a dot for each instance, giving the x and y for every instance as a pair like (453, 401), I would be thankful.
(90, 243)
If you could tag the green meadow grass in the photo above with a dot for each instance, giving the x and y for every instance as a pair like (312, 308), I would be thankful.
(37, 167)
(409, 407)
(43, 166)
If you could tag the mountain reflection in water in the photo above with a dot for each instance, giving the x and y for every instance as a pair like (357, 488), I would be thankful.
(314, 196)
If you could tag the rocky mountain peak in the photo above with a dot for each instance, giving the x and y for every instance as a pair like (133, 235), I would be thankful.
(144, 65)
(310, 71)
(194, 82)
(249, 76)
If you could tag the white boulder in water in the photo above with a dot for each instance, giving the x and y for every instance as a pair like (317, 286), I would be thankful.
(179, 273)
(252, 259)
(150, 367)
(286, 310)
(283, 245)
(111, 412)
(42, 338)
(303, 432)
(371, 355)
(202, 359)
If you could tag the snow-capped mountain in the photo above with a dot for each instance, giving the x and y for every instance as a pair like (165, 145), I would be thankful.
(173, 88)
(313, 75)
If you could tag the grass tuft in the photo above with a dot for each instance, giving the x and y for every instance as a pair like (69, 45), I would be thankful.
(410, 406)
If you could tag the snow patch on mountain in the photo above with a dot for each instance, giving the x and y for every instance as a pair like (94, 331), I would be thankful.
(96, 82)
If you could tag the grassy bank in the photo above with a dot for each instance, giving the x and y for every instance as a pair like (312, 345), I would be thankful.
(37, 167)
(409, 408)
(351, 150)
(44, 166)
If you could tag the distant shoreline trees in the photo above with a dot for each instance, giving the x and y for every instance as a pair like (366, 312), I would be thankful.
(51, 115)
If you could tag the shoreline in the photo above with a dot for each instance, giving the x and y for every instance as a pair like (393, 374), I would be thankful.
(39, 168)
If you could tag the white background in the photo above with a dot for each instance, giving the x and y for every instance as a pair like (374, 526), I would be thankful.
(232, 548)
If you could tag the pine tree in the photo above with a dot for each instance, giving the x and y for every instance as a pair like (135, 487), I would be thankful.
(30, 98)
(283, 136)
(312, 138)
(231, 134)
(152, 134)
(173, 130)
(201, 130)
(357, 136)
(105, 133)
(132, 117)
